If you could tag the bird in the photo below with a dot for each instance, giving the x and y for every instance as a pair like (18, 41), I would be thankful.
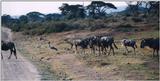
(52, 47)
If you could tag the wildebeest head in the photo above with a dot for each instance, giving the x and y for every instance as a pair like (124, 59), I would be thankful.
(145, 42)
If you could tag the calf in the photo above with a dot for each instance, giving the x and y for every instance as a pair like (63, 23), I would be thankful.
(129, 43)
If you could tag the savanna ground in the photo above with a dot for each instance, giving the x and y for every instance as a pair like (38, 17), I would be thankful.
(67, 65)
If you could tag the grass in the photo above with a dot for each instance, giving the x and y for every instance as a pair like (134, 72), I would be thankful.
(43, 68)
(120, 66)
(131, 66)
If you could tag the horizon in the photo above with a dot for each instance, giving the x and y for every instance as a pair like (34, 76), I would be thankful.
(22, 8)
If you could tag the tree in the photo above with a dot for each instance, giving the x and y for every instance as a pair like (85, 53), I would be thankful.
(53, 16)
(133, 7)
(23, 19)
(6, 19)
(154, 7)
(151, 7)
(72, 11)
(35, 16)
(97, 9)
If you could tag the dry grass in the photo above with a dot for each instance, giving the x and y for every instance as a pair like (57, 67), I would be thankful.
(67, 64)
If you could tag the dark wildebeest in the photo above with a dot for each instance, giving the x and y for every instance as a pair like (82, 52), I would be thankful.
(108, 41)
(92, 42)
(5, 46)
(84, 43)
(152, 43)
(129, 43)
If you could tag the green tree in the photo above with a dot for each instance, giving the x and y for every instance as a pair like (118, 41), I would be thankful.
(5, 20)
(35, 16)
(72, 11)
(97, 9)
(23, 19)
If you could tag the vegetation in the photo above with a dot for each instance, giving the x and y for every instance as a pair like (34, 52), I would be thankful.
(135, 22)
(79, 17)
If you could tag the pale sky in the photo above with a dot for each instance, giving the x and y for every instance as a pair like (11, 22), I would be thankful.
(22, 8)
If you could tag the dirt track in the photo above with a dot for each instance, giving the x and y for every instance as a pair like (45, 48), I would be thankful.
(16, 69)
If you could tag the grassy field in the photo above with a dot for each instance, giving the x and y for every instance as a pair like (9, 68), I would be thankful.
(66, 65)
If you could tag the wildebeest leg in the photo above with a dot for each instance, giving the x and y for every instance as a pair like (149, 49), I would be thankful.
(76, 49)
(106, 50)
(153, 51)
(126, 49)
(112, 50)
(15, 54)
(157, 52)
(10, 54)
(71, 46)
(135, 45)
(134, 50)
(109, 51)
(91, 47)
(1, 56)
(93, 50)
(99, 50)
(102, 48)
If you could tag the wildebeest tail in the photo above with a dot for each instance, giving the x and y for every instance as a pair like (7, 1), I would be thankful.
(115, 45)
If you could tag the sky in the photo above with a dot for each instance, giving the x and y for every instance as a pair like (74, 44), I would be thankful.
(22, 8)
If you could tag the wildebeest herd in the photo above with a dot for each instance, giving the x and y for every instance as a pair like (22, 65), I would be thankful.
(102, 43)
(96, 43)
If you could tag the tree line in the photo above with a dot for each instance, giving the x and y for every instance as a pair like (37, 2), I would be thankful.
(95, 10)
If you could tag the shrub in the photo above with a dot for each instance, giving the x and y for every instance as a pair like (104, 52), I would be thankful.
(125, 26)
(123, 29)
(137, 19)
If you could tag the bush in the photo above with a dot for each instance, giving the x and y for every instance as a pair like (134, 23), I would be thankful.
(96, 26)
(128, 15)
(124, 30)
(137, 19)
(125, 26)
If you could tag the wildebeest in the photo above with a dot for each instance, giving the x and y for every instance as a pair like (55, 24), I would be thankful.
(5, 46)
(92, 43)
(129, 43)
(74, 42)
(108, 41)
(152, 43)
(96, 42)
(83, 44)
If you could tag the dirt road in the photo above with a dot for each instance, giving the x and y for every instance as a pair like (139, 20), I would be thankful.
(16, 69)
